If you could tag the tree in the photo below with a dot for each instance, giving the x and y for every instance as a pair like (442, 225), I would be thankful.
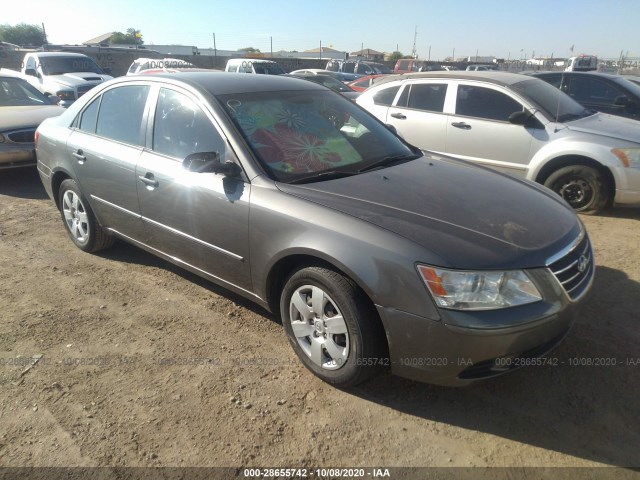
(132, 37)
(23, 34)
(395, 56)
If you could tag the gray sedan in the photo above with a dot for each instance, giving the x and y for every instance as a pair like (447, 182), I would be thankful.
(22, 108)
(374, 253)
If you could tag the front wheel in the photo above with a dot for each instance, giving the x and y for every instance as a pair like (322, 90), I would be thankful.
(584, 188)
(79, 220)
(331, 326)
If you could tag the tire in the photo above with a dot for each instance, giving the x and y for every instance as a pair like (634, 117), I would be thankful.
(343, 352)
(584, 188)
(79, 221)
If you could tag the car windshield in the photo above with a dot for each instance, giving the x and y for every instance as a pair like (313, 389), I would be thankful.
(312, 135)
(60, 65)
(381, 69)
(555, 104)
(268, 68)
(15, 92)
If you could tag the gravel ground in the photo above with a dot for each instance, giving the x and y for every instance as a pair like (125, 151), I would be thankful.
(139, 363)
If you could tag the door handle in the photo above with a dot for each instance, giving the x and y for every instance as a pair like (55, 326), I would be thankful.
(79, 156)
(149, 180)
(401, 116)
(462, 125)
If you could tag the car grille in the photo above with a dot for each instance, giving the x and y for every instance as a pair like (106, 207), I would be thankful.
(575, 269)
(22, 136)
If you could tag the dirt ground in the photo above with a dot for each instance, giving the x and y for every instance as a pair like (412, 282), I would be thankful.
(143, 364)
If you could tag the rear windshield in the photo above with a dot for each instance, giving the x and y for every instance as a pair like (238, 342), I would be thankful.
(60, 65)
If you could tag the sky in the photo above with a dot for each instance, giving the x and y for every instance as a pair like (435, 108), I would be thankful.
(501, 28)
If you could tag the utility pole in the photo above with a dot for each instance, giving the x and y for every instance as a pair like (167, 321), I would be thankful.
(45, 33)
(320, 49)
(215, 51)
(271, 47)
(415, 37)
(429, 57)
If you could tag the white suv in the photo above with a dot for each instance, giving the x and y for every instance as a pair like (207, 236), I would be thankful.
(517, 124)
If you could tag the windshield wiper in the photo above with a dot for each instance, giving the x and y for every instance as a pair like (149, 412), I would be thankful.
(326, 175)
(388, 161)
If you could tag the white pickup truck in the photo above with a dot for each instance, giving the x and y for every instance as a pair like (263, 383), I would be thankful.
(66, 75)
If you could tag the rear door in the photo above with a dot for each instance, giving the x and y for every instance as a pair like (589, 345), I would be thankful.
(418, 114)
(105, 146)
(480, 131)
(201, 219)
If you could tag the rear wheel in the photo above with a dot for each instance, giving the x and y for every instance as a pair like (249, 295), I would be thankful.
(79, 220)
(331, 326)
(585, 188)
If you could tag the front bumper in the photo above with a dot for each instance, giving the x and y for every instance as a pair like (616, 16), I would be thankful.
(627, 185)
(464, 347)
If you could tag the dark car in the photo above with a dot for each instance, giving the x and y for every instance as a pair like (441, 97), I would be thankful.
(373, 253)
(603, 92)
(331, 83)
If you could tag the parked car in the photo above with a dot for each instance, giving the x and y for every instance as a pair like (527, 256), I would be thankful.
(363, 83)
(518, 124)
(372, 253)
(409, 65)
(253, 65)
(481, 68)
(346, 67)
(604, 92)
(331, 83)
(22, 108)
(343, 77)
(65, 75)
(141, 65)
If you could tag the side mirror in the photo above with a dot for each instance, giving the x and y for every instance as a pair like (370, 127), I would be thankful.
(53, 99)
(524, 118)
(622, 101)
(31, 72)
(209, 162)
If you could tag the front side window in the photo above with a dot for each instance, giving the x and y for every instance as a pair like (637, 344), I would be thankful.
(298, 133)
(481, 102)
(593, 90)
(182, 128)
(121, 111)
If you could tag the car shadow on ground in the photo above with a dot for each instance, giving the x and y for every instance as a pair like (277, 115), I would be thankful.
(586, 406)
(628, 212)
(22, 183)
(127, 253)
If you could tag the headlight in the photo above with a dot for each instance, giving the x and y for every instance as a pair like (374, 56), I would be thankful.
(65, 95)
(460, 290)
(630, 157)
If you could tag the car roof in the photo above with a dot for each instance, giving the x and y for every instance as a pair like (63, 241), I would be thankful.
(500, 78)
(223, 83)
(597, 74)
(59, 54)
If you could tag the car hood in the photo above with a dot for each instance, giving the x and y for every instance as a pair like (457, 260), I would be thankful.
(73, 79)
(467, 216)
(26, 117)
(607, 126)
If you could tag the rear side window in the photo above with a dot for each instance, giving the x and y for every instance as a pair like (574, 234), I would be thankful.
(485, 103)
(121, 112)
(90, 117)
(385, 96)
(424, 96)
